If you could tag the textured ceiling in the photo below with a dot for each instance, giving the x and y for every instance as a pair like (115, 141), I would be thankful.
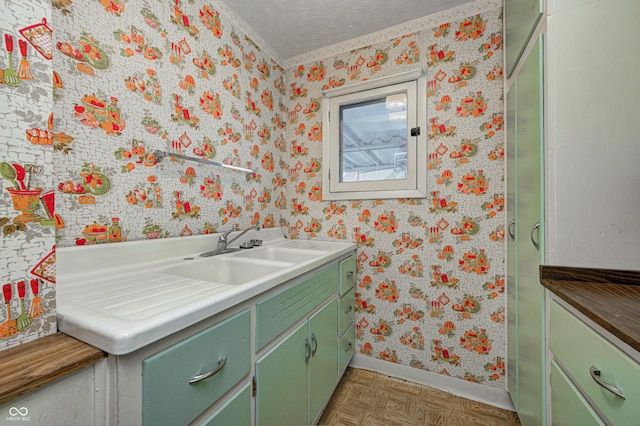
(292, 28)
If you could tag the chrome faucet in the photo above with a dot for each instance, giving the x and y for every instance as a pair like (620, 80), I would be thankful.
(223, 242)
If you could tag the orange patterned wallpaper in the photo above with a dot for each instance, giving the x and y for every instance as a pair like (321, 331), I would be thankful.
(27, 215)
(137, 76)
(431, 271)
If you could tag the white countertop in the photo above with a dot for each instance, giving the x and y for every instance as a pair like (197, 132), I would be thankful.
(116, 296)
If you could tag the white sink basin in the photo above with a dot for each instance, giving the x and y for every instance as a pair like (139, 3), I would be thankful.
(279, 254)
(227, 270)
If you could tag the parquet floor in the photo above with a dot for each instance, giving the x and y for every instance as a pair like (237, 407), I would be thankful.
(367, 398)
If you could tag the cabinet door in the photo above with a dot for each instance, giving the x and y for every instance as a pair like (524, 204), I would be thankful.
(568, 406)
(236, 411)
(323, 365)
(521, 18)
(168, 397)
(512, 242)
(530, 293)
(282, 377)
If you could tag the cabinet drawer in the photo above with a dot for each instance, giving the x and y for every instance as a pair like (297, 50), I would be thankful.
(568, 406)
(346, 311)
(348, 273)
(280, 311)
(168, 398)
(236, 411)
(578, 348)
(346, 348)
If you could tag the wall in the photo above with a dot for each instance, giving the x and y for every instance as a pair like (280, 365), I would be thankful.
(592, 145)
(431, 271)
(27, 232)
(431, 280)
(143, 75)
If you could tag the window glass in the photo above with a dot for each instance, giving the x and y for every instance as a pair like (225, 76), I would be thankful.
(373, 139)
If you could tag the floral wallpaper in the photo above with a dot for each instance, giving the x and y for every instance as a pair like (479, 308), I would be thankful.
(141, 76)
(129, 78)
(430, 290)
(27, 216)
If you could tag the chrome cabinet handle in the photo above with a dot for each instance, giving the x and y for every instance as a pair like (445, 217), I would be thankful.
(348, 347)
(595, 375)
(535, 228)
(512, 235)
(348, 309)
(205, 376)
(307, 348)
(315, 344)
(350, 275)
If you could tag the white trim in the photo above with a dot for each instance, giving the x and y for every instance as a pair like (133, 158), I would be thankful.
(413, 83)
(476, 392)
(402, 77)
(424, 23)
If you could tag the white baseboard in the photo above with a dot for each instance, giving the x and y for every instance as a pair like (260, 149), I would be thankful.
(474, 391)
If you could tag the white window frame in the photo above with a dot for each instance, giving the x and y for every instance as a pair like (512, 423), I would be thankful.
(414, 84)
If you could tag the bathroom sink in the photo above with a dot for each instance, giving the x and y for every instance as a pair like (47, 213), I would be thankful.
(279, 254)
(226, 270)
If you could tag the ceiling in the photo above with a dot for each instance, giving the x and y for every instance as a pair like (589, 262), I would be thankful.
(292, 28)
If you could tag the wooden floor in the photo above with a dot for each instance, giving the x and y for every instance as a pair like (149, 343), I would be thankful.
(367, 398)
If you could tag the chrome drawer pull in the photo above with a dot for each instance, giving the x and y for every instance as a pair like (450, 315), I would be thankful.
(595, 375)
(307, 349)
(512, 235)
(315, 344)
(348, 309)
(535, 228)
(350, 275)
(205, 376)
(348, 347)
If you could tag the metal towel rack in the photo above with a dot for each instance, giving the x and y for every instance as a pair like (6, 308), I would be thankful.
(161, 154)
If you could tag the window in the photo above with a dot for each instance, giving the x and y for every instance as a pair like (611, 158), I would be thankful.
(374, 136)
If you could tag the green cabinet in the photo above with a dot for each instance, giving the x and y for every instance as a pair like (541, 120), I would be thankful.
(346, 313)
(324, 357)
(346, 348)
(183, 380)
(521, 18)
(235, 411)
(568, 406)
(348, 271)
(277, 313)
(525, 248)
(282, 381)
(512, 248)
(296, 377)
(273, 359)
(605, 375)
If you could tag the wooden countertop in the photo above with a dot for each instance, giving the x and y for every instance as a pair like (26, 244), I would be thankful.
(36, 363)
(610, 298)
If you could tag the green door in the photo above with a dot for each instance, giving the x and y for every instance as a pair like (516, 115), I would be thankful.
(235, 411)
(521, 18)
(512, 251)
(529, 223)
(282, 376)
(323, 372)
(568, 406)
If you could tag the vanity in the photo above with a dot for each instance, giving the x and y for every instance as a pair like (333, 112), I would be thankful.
(257, 336)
